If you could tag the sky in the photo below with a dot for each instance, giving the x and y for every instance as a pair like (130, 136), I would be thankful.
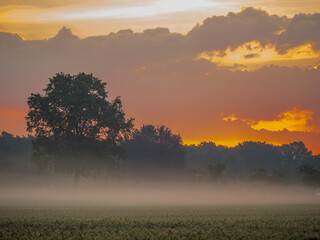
(222, 71)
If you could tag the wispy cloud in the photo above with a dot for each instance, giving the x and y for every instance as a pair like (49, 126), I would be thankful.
(148, 9)
(228, 118)
(295, 119)
(251, 56)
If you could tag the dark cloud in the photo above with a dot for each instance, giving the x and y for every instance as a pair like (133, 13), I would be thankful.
(64, 36)
(235, 29)
(301, 29)
(251, 55)
(9, 40)
(221, 32)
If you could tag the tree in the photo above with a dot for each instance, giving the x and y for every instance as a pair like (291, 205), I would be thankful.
(216, 172)
(278, 177)
(311, 175)
(155, 149)
(296, 151)
(76, 128)
(204, 154)
(15, 153)
(259, 175)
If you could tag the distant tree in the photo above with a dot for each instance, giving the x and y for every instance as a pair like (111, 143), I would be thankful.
(278, 177)
(296, 154)
(15, 153)
(76, 128)
(295, 151)
(204, 154)
(259, 175)
(155, 149)
(310, 175)
(216, 172)
(241, 159)
(253, 154)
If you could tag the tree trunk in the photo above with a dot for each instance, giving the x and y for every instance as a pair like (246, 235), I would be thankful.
(76, 179)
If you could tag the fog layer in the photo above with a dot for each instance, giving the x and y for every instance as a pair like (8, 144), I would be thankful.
(158, 193)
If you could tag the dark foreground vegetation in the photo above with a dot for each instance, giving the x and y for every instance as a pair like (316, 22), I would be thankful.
(149, 156)
(175, 222)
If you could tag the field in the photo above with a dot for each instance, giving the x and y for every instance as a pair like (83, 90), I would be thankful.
(274, 221)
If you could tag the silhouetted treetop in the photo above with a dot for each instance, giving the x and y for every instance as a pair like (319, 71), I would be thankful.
(157, 148)
(74, 122)
(76, 107)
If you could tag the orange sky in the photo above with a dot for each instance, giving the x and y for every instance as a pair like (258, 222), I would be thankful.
(12, 120)
(239, 74)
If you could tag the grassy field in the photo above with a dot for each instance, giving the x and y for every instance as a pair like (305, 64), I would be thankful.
(155, 222)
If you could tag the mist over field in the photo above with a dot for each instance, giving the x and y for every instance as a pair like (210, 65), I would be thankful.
(153, 193)
(153, 173)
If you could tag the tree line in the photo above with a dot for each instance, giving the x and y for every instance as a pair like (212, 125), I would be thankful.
(74, 129)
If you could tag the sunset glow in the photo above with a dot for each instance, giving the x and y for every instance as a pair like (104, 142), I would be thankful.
(12, 120)
(227, 143)
(231, 118)
(253, 55)
(292, 120)
(153, 8)
(221, 71)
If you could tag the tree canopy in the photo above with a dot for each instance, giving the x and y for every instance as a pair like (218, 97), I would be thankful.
(75, 125)
(310, 175)
(156, 149)
(15, 153)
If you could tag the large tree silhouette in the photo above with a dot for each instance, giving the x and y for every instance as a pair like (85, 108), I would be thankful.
(76, 128)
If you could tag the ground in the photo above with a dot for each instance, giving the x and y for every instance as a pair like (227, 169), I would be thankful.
(79, 221)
